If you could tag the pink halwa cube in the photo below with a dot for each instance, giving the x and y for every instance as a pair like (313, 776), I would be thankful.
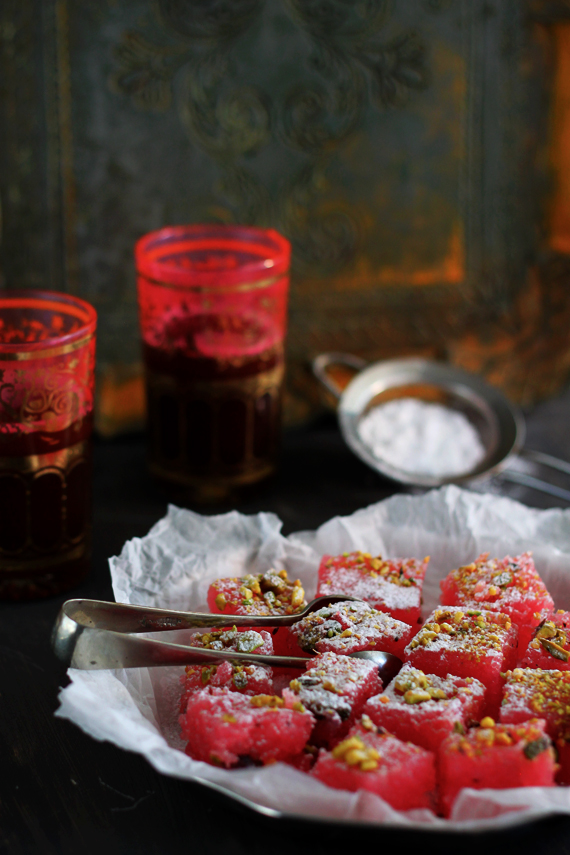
(391, 586)
(224, 727)
(243, 677)
(270, 593)
(495, 756)
(550, 645)
(467, 643)
(240, 677)
(400, 773)
(508, 585)
(346, 627)
(424, 708)
(530, 693)
(334, 688)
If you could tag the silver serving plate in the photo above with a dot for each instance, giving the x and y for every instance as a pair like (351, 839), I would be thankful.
(499, 423)
(94, 634)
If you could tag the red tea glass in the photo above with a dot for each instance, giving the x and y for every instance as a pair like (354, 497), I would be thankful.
(213, 310)
(47, 360)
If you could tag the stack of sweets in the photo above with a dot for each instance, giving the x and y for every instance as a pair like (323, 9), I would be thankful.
(508, 585)
(267, 594)
(347, 627)
(497, 756)
(228, 729)
(368, 759)
(334, 688)
(424, 708)
(391, 586)
(530, 693)
(550, 645)
(467, 643)
(249, 678)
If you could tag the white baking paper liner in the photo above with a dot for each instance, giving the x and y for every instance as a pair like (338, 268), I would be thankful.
(172, 567)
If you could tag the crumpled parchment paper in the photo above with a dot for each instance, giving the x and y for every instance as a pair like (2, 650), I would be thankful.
(172, 567)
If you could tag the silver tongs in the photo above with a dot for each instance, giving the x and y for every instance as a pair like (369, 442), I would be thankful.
(95, 634)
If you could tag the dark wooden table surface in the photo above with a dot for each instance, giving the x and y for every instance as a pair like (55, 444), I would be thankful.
(61, 792)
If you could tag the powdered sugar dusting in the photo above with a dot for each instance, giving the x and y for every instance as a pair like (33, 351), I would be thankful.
(422, 438)
(380, 592)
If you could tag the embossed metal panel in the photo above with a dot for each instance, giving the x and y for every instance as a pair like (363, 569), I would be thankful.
(412, 151)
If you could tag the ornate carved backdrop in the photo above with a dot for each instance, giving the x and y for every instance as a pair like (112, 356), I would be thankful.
(412, 150)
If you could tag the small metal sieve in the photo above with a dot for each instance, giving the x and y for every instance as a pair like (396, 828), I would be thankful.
(499, 423)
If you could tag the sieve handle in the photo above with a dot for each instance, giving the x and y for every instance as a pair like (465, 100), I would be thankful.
(527, 480)
(546, 460)
(324, 361)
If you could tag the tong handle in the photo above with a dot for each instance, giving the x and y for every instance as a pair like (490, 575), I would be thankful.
(122, 617)
(95, 649)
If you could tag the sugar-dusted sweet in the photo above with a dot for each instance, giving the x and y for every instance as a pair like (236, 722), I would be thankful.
(466, 642)
(391, 586)
(425, 708)
(495, 756)
(334, 688)
(550, 645)
(399, 772)
(545, 694)
(346, 627)
(224, 727)
(246, 677)
(268, 594)
(510, 585)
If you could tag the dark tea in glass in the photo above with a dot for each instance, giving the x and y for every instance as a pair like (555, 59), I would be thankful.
(213, 309)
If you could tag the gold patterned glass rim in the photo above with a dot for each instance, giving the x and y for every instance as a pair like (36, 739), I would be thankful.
(258, 256)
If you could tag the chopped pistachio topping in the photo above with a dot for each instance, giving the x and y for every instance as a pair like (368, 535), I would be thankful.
(266, 701)
(416, 696)
(206, 675)
(240, 679)
(354, 752)
(555, 649)
(265, 594)
(403, 572)
(499, 581)
(546, 693)
(475, 631)
(247, 642)
(536, 747)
